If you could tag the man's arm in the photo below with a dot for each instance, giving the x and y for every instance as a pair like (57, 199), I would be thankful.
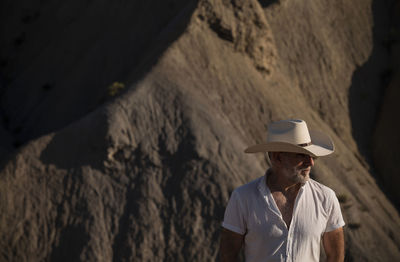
(230, 245)
(334, 245)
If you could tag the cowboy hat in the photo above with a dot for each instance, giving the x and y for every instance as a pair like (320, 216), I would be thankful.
(294, 136)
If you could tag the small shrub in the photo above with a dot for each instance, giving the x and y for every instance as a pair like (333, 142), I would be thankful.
(364, 208)
(115, 88)
(354, 225)
(343, 198)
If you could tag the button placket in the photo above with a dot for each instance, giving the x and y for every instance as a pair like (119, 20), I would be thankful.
(292, 226)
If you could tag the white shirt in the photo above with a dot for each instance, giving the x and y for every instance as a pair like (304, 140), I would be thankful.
(252, 212)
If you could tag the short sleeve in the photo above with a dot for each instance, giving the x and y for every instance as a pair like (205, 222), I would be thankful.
(234, 218)
(335, 219)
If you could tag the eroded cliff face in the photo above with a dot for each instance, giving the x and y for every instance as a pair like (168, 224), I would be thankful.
(386, 137)
(146, 176)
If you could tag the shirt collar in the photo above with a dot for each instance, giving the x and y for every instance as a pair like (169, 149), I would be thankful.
(262, 184)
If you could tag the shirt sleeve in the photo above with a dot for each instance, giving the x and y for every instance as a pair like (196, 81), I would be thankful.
(335, 219)
(234, 218)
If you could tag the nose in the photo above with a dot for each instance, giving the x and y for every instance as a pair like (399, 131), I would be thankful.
(309, 160)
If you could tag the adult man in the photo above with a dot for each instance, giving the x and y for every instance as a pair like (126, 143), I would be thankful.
(283, 215)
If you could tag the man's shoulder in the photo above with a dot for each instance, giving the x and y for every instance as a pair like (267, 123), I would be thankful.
(249, 187)
(320, 188)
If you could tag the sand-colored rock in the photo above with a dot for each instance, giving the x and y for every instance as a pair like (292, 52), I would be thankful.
(146, 176)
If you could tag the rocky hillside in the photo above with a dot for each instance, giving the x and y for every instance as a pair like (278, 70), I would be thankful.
(124, 123)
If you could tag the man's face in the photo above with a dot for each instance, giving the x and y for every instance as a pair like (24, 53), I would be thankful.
(297, 167)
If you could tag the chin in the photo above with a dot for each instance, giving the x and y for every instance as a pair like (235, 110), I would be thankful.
(303, 177)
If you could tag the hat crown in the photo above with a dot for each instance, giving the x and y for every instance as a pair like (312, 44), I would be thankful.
(294, 131)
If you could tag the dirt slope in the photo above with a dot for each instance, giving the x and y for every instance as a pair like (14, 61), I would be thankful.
(146, 176)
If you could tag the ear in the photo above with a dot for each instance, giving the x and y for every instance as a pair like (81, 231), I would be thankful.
(275, 156)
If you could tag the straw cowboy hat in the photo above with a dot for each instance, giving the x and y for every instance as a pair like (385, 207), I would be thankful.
(294, 136)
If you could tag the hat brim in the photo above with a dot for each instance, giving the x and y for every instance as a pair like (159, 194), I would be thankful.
(321, 145)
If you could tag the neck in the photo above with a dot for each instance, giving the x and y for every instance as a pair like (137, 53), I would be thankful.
(276, 181)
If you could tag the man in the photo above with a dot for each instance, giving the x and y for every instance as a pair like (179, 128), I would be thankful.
(283, 215)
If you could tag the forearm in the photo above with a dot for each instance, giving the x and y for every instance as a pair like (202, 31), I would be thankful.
(334, 245)
(230, 246)
(337, 258)
(228, 256)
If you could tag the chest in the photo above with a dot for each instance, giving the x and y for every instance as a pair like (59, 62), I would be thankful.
(297, 224)
(302, 218)
(285, 204)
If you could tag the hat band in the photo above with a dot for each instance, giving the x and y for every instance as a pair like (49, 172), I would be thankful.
(305, 144)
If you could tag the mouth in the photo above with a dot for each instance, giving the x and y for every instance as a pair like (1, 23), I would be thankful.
(305, 171)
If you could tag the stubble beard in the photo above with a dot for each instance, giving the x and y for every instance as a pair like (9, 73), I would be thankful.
(299, 175)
